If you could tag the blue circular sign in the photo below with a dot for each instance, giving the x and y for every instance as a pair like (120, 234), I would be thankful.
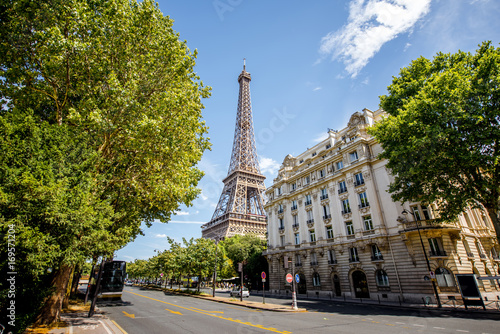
(297, 278)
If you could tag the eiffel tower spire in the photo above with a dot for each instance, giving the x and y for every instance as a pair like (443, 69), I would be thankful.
(240, 209)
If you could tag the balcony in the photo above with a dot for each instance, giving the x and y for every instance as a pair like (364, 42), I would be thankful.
(298, 264)
(281, 228)
(323, 197)
(295, 225)
(308, 203)
(359, 182)
(294, 208)
(310, 221)
(342, 190)
(346, 211)
(327, 217)
(364, 205)
(353, 259)
(332, 262)
(438, 253)
(482, 256)
(314, 263)
(280, 211)
(377, 257)
(428, 224)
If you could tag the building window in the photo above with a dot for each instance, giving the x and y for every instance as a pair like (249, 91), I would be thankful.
(312, 236)
(326, 212)
(308, 200)
(342, 187)
(346, 208)
(358, 179)
(382, 278)
(307, 179)
(349, 228)
(416, 213)
(329, 232)
(332, 258)
(295, 221)
(321, 173)
(436, 247)
(353, 156)
(339, 165)
(363, 200)
(294, 205)
(314, 154)
(324, 194)
(444, 277)
(282, 240)
(314, 259)
(278, 191)
(426, 211)
(353, 254)
(298, 260)
(376, 254)
(297, 238)
(294, 186)
(316, 280)
(328, 146)
(282, 225)
(368, 223)
(310, 217)
(280, 208)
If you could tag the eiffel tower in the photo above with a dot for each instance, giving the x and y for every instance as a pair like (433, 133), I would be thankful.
(240, 209)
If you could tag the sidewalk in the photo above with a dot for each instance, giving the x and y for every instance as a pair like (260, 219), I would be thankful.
(79, 323)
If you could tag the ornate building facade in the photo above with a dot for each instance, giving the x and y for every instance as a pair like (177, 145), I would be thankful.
(240, 209)
(330, 213)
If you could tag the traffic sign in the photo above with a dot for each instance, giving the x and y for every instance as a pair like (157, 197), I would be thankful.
(263, 275)
(297, 278)
(289, 278)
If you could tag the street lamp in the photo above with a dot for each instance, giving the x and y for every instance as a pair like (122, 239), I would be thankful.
(438, 301)
(215, 266)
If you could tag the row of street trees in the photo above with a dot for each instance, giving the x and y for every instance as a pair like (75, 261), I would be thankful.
(196, 258)
(100, 129)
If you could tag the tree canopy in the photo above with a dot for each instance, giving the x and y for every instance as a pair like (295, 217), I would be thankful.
(101, 129)
(441, 136)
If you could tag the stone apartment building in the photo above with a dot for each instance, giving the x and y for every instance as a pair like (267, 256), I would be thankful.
(330, 214)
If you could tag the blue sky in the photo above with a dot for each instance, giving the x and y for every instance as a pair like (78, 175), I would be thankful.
(312, 63)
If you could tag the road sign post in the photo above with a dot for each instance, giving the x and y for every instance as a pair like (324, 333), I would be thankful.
(294, 296)
(263, 275)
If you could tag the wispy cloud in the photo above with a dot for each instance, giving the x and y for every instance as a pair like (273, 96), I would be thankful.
(181, 213)
(268, 165)
(185, 222)
(320, 137)
(317, 88)
(160, 235)
(371, 24)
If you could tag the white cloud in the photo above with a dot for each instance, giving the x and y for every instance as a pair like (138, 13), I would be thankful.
(181, 213)
(371, 24)
(320, 137)
(160, 235)
(317, 88)
(185, 222)
(268, 165)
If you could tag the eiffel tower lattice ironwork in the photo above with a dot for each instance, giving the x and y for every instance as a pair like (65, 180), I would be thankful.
(240, 209)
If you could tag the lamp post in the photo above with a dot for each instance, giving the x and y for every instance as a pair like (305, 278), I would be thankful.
(215, 266)
(436, 294)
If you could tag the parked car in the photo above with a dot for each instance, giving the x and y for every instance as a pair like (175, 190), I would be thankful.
(235, 292)
(129, 283)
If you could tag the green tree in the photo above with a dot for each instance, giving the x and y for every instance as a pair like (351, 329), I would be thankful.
(115, 78)
(441, 138)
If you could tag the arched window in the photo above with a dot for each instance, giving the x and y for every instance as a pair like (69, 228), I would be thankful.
(444, 277)
(382, 278)
(316, 280)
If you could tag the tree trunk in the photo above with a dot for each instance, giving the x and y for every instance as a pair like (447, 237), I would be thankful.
(65, 302)
(76, 280)
(51, 309)
(493, 213)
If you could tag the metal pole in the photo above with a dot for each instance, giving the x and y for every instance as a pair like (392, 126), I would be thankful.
(294, 296)
(241, 286)
(263, 292)
(438, 301)
(215, 269)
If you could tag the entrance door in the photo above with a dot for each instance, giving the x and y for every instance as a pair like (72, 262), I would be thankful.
(336, 285)
(301, 287)
(360, 284)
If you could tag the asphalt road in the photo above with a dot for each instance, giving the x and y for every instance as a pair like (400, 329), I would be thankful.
(149, 311)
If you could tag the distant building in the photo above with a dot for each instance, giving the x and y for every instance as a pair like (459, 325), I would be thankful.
(330, 213)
